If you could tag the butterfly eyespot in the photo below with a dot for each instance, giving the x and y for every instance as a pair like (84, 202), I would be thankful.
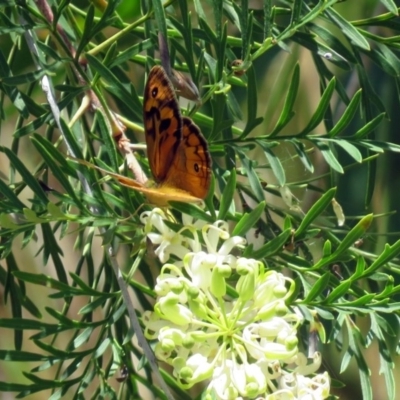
(154, 91)
(196, 167)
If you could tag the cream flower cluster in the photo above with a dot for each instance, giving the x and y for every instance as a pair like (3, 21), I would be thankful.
(222, 319)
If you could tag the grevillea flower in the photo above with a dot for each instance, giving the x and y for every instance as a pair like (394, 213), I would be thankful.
(222, 319)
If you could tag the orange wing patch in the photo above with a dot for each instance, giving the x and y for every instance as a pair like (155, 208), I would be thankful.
(191, 168)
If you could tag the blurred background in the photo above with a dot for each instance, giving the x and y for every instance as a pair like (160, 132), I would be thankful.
(273, 71)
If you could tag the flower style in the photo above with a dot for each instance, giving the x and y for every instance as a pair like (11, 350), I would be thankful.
(223, 318)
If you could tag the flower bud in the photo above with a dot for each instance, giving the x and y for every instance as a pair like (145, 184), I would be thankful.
(291, 342)
(186, 373)
(171, 311)
(167, 345)
(224, 270)
(188, 341)
(281, 309)
(193, 292)
(280, 291)
(252, 390)
(218, 284)
(198, 309)
(245, 286)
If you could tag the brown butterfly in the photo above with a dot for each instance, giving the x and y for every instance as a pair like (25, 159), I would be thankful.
(177, 151)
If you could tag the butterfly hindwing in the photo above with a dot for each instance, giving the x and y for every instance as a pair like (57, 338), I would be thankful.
(191, 168)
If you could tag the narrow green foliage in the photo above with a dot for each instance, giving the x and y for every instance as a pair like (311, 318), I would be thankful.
(252, 120)
(318, 287)
(315, 211)
(295, 119)
(287, 111)
(27, 177)
(323, 105)
(160, 17)
(347, 115)
(276, 166)
(272, 247)
(391, 6)
(348, 29)
(249, 220)
(227, 196)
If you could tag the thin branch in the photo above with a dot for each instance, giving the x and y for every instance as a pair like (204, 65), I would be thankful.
(48, 90)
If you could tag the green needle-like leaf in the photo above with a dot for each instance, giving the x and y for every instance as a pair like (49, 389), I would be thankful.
(287, 111)
(315, 211)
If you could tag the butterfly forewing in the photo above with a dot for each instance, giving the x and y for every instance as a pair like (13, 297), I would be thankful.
(192, 164)
(162, 123)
